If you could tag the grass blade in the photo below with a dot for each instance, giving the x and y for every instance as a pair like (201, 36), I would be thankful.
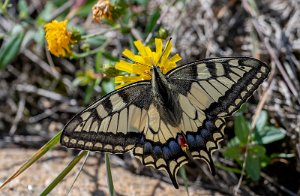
(185, 179)
(109, 176)
(49, 145)
(78, 173)
(60, 177)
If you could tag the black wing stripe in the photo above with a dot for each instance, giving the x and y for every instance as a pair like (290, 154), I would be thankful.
(244, 88)
(241, 76)
(100, 127)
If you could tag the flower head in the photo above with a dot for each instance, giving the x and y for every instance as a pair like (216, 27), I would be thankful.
(102, 9)
(58, 37)
(141, 64)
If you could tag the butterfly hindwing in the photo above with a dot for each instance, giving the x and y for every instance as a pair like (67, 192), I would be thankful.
(114, 123)
(170, 156)
(214, 88)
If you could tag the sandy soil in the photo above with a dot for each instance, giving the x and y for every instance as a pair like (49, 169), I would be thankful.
(92, 180)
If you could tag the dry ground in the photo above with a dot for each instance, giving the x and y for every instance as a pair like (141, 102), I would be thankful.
(92, 180)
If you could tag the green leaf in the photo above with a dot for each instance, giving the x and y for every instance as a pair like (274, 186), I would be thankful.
(253, 167)
(282, 155)
(23, 9)
(45, 14)
(49, 145)
(241, 128)
(11, 49)
(61, 176)
(185, 179)
(269, 134)
(96, 41)
(89, 92)
(85, 8)
(234, 142)
(244, 108)
(262, 120)
(257, 150)
(110, 57)
(152, 21)
(233, 152)
(142, 2)
(98, 62)
(107, 86)
(229, 169)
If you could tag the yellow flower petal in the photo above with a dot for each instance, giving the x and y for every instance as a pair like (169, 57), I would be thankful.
(129, 54)
(141, 48)
(175, 58)
(58, 37)
(124, 66)
(158, 43)
(140, 69)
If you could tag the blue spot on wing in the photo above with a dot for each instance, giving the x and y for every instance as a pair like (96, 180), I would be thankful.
(200, 141)
(205, 133)
(191, 141)
(157, 152)
(174, 148)
(167, 153)
(147, 148)
(210, 125)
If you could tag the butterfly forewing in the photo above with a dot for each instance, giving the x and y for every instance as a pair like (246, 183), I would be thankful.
(114, 123)
(219, 86)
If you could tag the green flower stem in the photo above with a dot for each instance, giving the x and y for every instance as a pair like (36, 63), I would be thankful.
(84, 37)
(88, 53)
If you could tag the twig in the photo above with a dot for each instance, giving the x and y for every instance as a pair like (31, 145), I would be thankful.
(42, 92)
(279, 66)
(43, 115)
(158, 22)
(269, 48)
(19, 115)
(33, 57)
(268, 178)
(61, 9)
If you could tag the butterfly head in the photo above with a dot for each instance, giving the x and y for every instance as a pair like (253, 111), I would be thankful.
(156, 74)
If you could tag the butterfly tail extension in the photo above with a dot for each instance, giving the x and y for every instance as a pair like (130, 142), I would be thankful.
(168, 157)
(206, 140)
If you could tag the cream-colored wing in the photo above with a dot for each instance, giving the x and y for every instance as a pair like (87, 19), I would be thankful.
(218, 87)
(113, 124)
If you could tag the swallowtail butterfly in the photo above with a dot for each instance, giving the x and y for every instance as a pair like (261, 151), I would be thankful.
(171, 118)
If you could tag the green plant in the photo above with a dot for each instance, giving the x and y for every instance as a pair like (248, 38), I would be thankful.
(262, 134)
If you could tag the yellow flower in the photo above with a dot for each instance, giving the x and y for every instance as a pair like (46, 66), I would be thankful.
(58, 37)
(102, 9)
(141, 64)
